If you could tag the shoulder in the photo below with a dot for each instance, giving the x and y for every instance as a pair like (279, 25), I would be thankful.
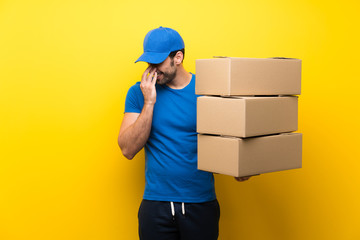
(135, 90)
(135, 87)
(134, 99)
(193, 79)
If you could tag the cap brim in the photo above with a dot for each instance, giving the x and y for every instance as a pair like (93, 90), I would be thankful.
(152, 57)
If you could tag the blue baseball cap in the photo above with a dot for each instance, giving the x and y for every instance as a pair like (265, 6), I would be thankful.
(159, 43)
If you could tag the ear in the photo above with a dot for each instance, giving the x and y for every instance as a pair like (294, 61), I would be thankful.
(178, 58)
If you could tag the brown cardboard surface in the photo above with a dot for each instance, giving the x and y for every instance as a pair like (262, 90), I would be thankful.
(248, 76)
(249, 156)
(247, 116)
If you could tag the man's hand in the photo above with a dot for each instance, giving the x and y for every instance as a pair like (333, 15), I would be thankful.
(135, 128)
(245, 178)
(147, 85)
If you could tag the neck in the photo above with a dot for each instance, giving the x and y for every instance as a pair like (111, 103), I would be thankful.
(181, 80)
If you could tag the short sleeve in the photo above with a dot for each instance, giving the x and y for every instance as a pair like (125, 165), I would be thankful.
(134, 101)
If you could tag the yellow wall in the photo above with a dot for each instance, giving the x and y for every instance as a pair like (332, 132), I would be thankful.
(66, 65)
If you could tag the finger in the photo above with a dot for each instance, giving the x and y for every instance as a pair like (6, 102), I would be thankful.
(150, 77)
(146, 72)
(148, 69)
(153, 70)
(241, 179)
(154, 79)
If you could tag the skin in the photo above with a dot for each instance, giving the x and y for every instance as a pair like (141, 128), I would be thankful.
(135, 128)
(242, 179)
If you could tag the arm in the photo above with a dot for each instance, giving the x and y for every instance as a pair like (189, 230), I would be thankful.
(135, 127)
(135, 131)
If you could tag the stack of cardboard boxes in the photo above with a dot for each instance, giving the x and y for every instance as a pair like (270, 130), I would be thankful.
(247, 115)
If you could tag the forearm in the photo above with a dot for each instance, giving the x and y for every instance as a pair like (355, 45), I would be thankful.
(134, 138)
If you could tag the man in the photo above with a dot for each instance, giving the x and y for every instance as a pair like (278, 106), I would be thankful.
(179, 201)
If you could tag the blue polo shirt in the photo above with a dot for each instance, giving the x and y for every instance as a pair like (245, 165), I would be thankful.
(171, 172)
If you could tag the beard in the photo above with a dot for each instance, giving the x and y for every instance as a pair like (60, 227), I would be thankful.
(167, 77)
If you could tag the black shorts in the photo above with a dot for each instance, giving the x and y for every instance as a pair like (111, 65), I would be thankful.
(178, 221)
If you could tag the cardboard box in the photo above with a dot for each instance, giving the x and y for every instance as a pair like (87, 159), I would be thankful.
(249, 156)
(247, 116)
(248, 76)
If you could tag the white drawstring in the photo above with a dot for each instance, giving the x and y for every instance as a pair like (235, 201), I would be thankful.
(172, 209)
